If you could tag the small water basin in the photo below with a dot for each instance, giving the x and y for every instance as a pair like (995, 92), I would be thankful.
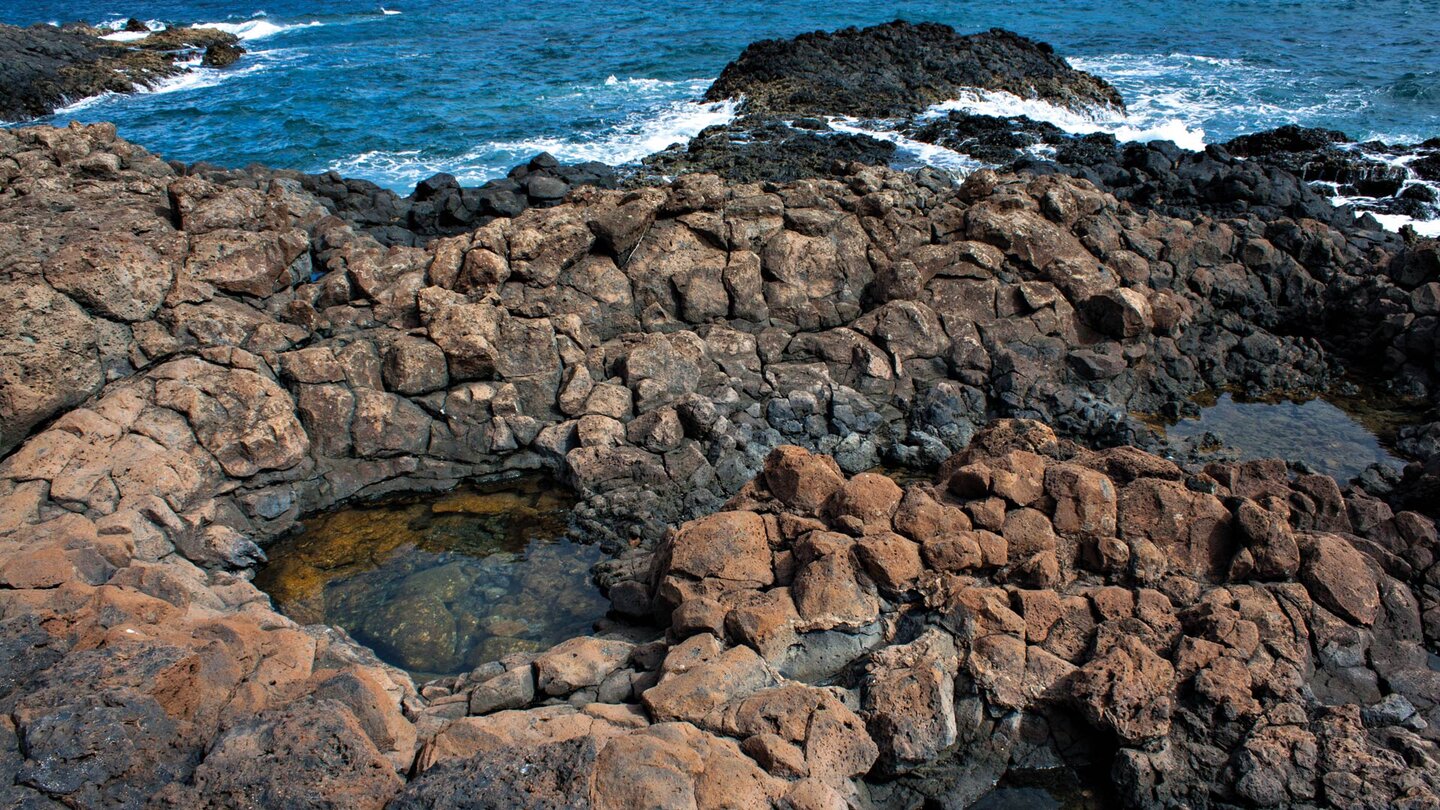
(440, 584)
(1316, 432)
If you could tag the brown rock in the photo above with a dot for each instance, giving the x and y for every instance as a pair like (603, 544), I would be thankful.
(891, 560)
(1085, 500)
(729, 546)
(1338, 577)
(832, 592)
(765, 621)
(1128, 690)
(114, 274)
(1271, 542)
(1018, 476)
(869, 498)
(698, 615)
(776, 755)
(694, 693)
(921, 517)
(802, 480)
(1028, 532)
(309, 754)
(953, 553)
(415, 366)
(1192, 528)
(578, 663)
(909, 700)
(49, 360)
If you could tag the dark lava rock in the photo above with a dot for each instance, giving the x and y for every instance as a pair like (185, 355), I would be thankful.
(134, 26)
(769, 151)
(551, 776)
(43, 68)
(1321, 155)
(185, 39)
(439, 205)
(222, 54)
(989, 138)
(897, 68)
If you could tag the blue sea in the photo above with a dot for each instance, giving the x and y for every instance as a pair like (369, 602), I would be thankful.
(395, 93)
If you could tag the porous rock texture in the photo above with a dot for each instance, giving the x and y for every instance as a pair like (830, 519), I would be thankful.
(190, 365)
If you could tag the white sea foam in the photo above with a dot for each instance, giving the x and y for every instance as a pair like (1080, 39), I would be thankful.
(119, 35)
(641, 134)
(195, 77)
(127, 36)
(1394, 222)
(257, 28)
(1100, 119)
(910, 150)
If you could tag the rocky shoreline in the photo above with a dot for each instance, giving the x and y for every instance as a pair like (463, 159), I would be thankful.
(194, 359)
(44, 67)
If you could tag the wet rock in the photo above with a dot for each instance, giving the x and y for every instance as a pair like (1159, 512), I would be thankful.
(47, 67)
(769, 151)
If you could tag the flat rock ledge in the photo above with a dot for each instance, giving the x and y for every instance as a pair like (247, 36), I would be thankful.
(188, 366)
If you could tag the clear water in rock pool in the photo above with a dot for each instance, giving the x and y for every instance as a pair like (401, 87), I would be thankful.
(441, 584)
(1315, 432)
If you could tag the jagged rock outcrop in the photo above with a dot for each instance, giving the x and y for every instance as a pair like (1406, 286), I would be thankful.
(235, 356)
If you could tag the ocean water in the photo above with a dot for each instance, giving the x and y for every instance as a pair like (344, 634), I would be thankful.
(395, 93)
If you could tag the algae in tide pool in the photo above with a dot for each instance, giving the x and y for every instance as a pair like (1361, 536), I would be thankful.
(445, 583)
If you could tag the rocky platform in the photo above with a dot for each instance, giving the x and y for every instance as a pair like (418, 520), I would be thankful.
(191, 363)
(43, 68)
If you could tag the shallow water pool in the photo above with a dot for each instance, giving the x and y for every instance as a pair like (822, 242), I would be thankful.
(1315, 432)
(440, 584)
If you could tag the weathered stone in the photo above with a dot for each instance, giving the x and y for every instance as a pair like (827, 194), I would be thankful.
(1129, 690)
(578, 663)
(1337, 576)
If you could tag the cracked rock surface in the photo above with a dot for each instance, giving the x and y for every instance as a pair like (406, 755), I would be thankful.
(188, 364)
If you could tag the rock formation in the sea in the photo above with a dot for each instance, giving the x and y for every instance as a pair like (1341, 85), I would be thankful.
(899, 68)
(784, 89)
(1401, 179)
(43, 68)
